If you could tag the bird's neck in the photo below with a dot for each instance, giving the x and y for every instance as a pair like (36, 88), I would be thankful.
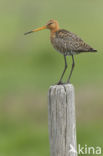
(53, 33)
(53, 30)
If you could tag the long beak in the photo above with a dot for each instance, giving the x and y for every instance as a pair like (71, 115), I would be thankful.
(35, 30)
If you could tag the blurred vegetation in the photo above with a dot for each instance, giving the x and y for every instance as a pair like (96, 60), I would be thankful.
(29, 65)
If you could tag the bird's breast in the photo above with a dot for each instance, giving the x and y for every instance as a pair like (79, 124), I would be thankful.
(58, 43)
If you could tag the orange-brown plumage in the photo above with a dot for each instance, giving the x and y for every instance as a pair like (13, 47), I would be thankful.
(66, 42)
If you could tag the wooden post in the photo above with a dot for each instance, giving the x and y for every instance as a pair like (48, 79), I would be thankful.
(61, 120)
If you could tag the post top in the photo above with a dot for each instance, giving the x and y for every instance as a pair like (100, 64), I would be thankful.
(68, 85)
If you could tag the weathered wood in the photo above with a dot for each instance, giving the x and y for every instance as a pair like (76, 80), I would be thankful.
(61, 120)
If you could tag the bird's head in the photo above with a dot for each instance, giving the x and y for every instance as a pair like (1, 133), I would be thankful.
(51, 25)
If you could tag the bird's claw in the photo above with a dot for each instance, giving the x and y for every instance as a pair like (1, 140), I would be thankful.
(63, 83)
(68, 82)
(60, 83)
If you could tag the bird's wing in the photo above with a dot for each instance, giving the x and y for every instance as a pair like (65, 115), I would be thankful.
(71, 42)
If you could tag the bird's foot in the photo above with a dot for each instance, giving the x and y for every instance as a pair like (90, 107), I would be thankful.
(60, 83)
(68, 82)
(63, 83)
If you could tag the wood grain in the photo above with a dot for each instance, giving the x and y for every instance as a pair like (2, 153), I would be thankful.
(61, 120)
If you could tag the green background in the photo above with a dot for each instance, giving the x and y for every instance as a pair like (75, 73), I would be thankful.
(29, 65)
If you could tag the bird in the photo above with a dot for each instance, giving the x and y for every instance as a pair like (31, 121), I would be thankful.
(65, 42)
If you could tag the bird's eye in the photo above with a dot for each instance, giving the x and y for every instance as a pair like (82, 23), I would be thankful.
(49, 23)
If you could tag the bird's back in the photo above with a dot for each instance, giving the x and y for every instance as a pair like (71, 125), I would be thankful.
(69, 43)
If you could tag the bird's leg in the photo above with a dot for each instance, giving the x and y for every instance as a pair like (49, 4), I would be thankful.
(60, 81)
(73, 64)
